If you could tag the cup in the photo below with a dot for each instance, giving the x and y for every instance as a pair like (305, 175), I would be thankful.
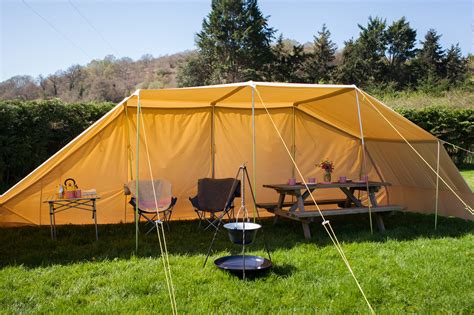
(364, 178)
(311, 180)
(69, 194)
(292, 181)
(342, 179)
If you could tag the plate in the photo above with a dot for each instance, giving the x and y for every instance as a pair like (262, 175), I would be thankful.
(235, 264)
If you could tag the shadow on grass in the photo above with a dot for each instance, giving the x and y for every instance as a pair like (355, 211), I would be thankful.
(32, 246)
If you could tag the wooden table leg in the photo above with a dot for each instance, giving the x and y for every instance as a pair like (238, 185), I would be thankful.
(304, 223)
(51, 219)
(94, 213)
(306, 230)
(281, 201)
(379, 221)
(378, 218)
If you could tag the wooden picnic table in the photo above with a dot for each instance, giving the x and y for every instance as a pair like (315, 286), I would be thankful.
(348, 205)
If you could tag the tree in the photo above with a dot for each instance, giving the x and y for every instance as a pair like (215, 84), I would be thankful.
(456, 65)
(320, 64)
(234, 41)
(401, 40)
(431, 55)
(288, 59)
(364, 59)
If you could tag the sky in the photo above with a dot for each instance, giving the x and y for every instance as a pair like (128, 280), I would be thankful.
(41, 37)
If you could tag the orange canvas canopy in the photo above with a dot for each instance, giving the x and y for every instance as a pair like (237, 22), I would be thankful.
(199, 132)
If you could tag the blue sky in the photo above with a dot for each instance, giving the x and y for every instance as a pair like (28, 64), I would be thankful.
(29, 45)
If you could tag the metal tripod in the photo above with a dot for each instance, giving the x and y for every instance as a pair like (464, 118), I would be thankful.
(243, 173)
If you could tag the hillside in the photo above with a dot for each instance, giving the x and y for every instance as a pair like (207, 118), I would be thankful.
(109, 79)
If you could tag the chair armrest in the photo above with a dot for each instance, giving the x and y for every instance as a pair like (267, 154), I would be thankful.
(194, 202)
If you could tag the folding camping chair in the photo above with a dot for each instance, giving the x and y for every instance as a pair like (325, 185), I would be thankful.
(214, 196)
(147, 205)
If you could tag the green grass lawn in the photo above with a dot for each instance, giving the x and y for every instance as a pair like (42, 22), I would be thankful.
(469, 176)
(409, 268)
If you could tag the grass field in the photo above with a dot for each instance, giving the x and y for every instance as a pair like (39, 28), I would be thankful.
(455, 98)
(411, 268)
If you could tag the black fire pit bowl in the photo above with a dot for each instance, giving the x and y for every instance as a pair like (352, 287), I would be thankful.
(235, 230)
(254, 265)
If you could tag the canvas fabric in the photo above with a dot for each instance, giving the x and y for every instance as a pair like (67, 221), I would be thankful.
(190, 128)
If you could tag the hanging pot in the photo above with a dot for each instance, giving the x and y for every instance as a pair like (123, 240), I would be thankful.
(236, 234)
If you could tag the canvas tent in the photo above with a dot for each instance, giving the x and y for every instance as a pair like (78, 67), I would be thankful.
(209, 131)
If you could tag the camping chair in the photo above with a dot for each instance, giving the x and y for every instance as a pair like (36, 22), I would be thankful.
(147, 207)
(214, 196)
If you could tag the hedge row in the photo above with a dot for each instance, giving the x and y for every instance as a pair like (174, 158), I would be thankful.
(30, 132)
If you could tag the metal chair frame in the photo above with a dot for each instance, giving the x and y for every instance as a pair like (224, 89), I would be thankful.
(151, 216)
(213, 218)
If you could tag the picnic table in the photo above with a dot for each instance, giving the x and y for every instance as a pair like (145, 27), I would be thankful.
(350, 204)
(57, 205)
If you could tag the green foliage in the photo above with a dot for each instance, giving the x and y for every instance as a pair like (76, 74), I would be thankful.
(288, 61)
(32, 131)
(455, 65)
(410, 268)
(234, 41)
(366, 54)
(454, 125)
(320, 65)
(431, 54)
(401, 40)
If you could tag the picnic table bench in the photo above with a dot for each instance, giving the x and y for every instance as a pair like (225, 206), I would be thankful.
(295, 210)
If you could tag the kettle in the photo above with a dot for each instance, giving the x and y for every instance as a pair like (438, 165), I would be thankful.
(70, 184)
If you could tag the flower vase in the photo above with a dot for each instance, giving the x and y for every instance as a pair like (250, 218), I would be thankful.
(327, 177)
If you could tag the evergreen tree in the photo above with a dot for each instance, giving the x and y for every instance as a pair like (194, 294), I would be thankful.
(456, 65)
(364, 59)
(288, 59)
(234, 43)
(352, 69)
(431, 55)
(320, 64)
(401, 40)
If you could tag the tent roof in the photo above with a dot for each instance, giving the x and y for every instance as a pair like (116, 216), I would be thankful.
(236, 95)
(335, 105)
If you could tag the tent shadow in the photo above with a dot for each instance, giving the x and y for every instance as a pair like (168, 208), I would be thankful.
(32, 247)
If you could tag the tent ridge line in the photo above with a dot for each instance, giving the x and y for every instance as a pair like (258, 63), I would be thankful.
(345, 90)
(118, 107)
(329, 124)
(234, 91)
(394, 112)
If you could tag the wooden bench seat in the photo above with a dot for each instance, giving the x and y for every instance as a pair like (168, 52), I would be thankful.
(330, 212)
(309, 216)
(272, 206)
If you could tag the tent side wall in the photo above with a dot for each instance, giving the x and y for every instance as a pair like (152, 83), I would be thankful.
(87, 159)
(414, 183)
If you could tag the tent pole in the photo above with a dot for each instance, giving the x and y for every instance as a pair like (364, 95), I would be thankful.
(293, 136)
(213, 150)
(129, 159)
(254, 153)
(437, 186)
(364, 158)
(137, 161)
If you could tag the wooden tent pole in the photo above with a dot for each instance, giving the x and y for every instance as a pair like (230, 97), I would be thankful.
(137, 164)
(364, 159)
(254, 151)
(437, 186)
